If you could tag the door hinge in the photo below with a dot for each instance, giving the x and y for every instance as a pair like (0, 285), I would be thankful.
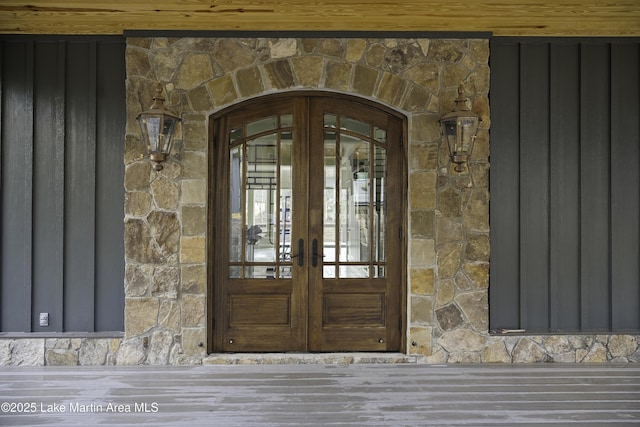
(400, 323)
(400, 233)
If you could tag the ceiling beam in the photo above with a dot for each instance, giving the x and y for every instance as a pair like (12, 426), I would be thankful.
(571, 18)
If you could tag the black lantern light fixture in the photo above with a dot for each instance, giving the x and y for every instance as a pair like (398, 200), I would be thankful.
(158, 126)
(459, 129)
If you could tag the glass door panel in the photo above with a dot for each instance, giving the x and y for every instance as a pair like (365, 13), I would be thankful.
(379, 210)
(285, 206)
(354, 200)
(330, 210)
(260, 193)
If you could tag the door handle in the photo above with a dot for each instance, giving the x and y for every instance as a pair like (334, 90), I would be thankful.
(300, 252)
(314, 253)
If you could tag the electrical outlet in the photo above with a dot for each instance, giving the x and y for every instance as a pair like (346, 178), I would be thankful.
(44, 319)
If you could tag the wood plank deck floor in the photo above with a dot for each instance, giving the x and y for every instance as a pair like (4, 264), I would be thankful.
(322, 395)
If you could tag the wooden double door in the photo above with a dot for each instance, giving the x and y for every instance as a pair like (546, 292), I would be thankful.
(306, 227)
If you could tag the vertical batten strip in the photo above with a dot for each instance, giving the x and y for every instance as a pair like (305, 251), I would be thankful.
(549, 111)
(555, 73)
(524, 74)
(92, 118)
(28, 183)
(61, 171)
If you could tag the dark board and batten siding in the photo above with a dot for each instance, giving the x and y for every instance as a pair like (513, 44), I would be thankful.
(565, 185)
(62, 127)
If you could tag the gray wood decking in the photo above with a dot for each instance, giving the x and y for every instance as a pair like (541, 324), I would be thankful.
(316, 394)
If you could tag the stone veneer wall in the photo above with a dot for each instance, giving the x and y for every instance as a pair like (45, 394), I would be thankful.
(448, 213)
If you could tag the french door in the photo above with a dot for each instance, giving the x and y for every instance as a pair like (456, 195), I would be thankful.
(306, 227)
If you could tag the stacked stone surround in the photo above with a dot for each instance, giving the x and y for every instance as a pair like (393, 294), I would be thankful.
(165, 223)
(447, 212)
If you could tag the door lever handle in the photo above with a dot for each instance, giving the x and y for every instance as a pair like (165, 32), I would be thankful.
(300, 255)
(314, 253)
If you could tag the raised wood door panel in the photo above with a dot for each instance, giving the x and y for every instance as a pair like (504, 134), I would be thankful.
(276, 291)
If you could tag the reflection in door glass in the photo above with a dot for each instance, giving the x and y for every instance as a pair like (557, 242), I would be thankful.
(330, 121)
(285, 203)
(286, 120)
(262, 125)
(379, 135)
(330, 213)
(355, 126)
(235, 134)
(354, 271)
(235, 219)
(380, 207)
(261, 178)
(354, 199)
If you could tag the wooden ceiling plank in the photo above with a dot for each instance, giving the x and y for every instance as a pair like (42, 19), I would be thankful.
(501, 17)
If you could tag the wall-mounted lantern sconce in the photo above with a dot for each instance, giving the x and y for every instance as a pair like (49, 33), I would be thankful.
(158, 126)
(459, 129)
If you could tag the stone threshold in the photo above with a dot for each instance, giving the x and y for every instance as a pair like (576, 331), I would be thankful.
(308, 358)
